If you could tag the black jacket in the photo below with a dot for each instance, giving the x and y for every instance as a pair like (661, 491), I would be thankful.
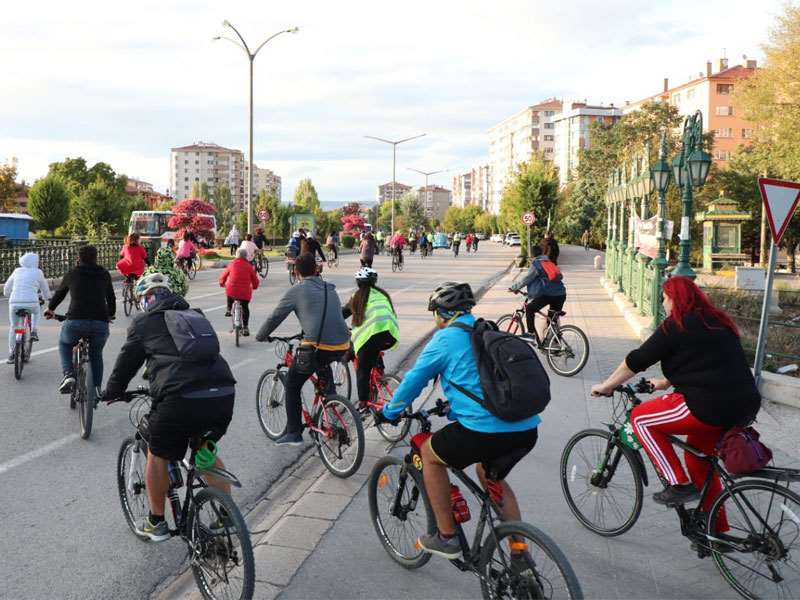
(314, 248)
(91, 295)
(705, 363)
(149, 340)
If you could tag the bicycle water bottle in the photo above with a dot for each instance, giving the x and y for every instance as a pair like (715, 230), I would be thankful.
(460, 508)
(175, 477)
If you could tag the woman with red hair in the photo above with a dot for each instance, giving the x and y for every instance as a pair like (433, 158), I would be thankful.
(701, 357)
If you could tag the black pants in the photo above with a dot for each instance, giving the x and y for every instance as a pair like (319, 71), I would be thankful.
(334, 249)
(538, 303)
(366, 262)
(245, 310)
(295, 381)
(368, 358)
(234, 248)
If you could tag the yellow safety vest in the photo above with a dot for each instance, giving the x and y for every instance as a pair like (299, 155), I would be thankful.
(378, 317)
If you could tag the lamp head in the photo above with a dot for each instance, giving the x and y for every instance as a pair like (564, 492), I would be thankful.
(215, 38)
(226, 23)
(699, 163)
(294, 30)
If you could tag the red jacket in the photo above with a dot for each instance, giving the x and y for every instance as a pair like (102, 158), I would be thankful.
(239, 279)
(133, 260)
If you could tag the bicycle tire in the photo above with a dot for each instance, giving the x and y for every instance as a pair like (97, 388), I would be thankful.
(569, 473)
(554, 347)
(27, 347)
(394, 266)
(511, 324)
(292, 277)
(342, 379)
(131, 485)
(338, 432)
(387, 431)
(378, 480)
(264, 267)
(789, 507)
(534, 581)
(192, 271)
(85, 383)
(127, 301)
(271, 411)
(18, 360)
(220, 546)
(236, 333)
(400, 266)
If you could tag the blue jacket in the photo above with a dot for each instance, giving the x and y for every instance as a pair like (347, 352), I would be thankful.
(450, 355)
(538, 283)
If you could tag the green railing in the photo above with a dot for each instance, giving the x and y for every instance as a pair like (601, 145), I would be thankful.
(648, 279)
(55, 259)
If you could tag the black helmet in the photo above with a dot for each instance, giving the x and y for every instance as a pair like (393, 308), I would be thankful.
(451, 296)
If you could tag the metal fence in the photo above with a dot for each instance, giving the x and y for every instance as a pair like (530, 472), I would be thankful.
(56, 257)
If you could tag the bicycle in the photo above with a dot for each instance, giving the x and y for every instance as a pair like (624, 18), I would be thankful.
(84, 394)
(397, 261)
(236, 320)
(261, 264)
(455, 249)
(332, 421)
(381, 390)
(333, 258)
(23, 341)
(129, 299)
(189, 267)
(565, 346)
(423, 252)
(534, 567)
(603, 468)
(207, 520)
(290, 261)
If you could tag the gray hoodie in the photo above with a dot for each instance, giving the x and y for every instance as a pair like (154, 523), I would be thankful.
(25, 283)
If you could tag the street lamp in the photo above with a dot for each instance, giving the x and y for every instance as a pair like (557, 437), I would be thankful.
(427, 174)
(660, 176)
(251, 57)
(394, 144)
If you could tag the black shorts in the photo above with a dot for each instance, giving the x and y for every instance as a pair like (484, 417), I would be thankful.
(556, 303)
(459, 447)
(175, 421)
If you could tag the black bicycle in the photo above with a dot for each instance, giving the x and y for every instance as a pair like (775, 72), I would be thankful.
(397, 261)
(84, 394)
(512, 559)
(207, 520)
(261, 264)
(603, 474)
(129, 299)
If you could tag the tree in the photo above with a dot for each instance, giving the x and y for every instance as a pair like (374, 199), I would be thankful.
(49, 202)
(384, 219)
(223, 206)
(533, 187)
(188, 214)
(486, 223)
(352, 223)
(305, 197)
(204, 192)
(414, 211)
(8, 186)
(195, 190)
(165, 205)
(351, 208)
(78, 176)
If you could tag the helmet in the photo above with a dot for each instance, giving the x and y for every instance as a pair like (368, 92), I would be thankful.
(451, 296)
(296, 234)
(150, 282)
(367, 275)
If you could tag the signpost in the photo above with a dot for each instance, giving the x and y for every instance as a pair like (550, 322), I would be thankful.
(780, 200)
(528, 219)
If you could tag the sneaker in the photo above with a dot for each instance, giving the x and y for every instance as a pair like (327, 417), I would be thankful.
(35, 335)
(10, 360)
(227, 313)
(673, 495)
(245, 332)
(290, 439)
(435, 544)
(67, 383)
(157, 533)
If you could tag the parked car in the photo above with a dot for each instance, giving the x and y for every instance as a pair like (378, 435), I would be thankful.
(513, 240)
(507, 237)
(480, 236)
(496, 237)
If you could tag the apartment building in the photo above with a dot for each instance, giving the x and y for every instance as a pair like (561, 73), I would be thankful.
(385, 191)
(473, 187)
(462, 189)
(572, 134)
(711, 92)
(513, 140)
(206, 162)
(435, 199)
(264, 180)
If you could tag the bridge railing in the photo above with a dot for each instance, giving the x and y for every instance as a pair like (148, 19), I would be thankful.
(57, 257)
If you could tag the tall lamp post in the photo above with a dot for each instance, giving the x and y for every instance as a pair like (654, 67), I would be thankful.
(251, 56)
(427, 174)
(689, 169)
(394, 144)
(659, 176)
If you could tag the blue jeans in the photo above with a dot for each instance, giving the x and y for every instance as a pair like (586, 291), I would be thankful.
(97, 334)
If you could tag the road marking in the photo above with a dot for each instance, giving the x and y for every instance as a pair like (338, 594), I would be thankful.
(243, 363)
(34, 454)
(44, 351)
(204, 295)
(213, 308)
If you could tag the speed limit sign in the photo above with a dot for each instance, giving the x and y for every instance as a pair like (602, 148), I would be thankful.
(263, 215)
(528, 218)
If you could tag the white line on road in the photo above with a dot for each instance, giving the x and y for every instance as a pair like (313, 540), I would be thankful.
(213, 308)
(44, 351)
(218, 292)
(243, 363)
(34, 454)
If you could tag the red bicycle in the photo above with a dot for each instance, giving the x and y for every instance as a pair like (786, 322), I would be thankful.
(334, 425)
(381, 390)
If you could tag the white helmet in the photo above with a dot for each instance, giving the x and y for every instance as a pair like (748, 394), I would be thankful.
(296, 234)
(367, 275)
(150, 282)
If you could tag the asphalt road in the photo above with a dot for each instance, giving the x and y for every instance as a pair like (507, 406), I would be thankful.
(63, 531)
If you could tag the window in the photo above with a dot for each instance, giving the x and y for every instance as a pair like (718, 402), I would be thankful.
(548, 150)
(549, 138)
(726, 235)
(724, 111)
(197, 162)
(689, 94)
(549, 113)
(747, 133)
(722, 154)
(549, 125)
(725, 132)
(725, 88)
(675, 99)
(186, 179)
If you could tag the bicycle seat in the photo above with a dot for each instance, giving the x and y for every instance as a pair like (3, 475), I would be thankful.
(498, 468)
(559, 313)
(21, 312)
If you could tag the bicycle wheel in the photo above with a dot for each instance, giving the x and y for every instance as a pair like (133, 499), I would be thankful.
(19, 360)
(391, 433)
(271, 403)
(130, 483)
(601, 481)
(292, 277)
(520, 561)
(263, 267)
(512, 324)
(341, 443)
(342, 378)
(400, 510)
(87, 396)
(764, 539)
(192, 271)
(28, 346)
(394, 266)
(221, 557)
(567, 352)
(127, 300)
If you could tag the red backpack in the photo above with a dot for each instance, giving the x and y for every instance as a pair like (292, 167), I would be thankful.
(551, 270)
(742, 452)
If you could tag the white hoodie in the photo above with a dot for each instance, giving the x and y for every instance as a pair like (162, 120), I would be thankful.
(24, 284)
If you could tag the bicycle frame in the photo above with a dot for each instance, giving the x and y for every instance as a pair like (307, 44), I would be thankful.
(25, 328)
(552, 322)
(382, 392)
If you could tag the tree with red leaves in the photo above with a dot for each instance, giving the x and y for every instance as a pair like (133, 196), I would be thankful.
(189, 214)
(351, 208)
(353, 223)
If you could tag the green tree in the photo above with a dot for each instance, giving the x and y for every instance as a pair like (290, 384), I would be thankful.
(78, 176)
(49, 202)
(98, 204)
(8, 186)
(305, 197)
(384, 219)
(165, 205)
(414, 211)
(533, 187)
(223, 207)
(486, 223)
(195, 190)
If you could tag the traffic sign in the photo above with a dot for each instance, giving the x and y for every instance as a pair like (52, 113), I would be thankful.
(528, 218)
(780, 201)
(263, 215)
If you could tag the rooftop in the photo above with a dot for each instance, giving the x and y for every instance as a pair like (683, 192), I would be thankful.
(205, 147)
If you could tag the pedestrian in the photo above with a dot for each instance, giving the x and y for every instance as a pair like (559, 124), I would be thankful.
(367, 250)
(232, 241)
(585, 239)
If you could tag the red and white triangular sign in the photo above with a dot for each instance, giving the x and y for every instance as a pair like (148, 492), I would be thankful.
(780, 200)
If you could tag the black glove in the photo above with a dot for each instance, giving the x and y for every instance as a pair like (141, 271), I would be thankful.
(381, 418)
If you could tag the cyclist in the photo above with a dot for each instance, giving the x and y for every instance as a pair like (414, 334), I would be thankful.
(476, 436)
(456, 243)
(191, 396)
(396, 244)
(332, 244)
(367, 249)
(412, 242)
(468, 242)
(701, 356)
(293, 247)
(475, 243)
(545, 287)
(313, 246)
(22, 288)
(259, 239)
(92, 304)
(430, 242)
(316, 305)
(239, 280)
(186, 250)
(133, 258)
(249, 246)
(164, 262)
(423, 244)
(375, 326)
(379, 240)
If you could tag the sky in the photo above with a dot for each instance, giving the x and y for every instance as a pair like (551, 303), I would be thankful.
(89, 78)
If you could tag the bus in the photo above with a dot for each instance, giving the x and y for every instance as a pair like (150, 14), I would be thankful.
(153, 227)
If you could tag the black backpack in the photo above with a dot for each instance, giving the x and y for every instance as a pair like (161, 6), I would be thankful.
(193, 335)
(515, 385)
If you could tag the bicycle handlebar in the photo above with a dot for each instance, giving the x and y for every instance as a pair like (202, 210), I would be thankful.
(291, 338)
(643, 386)
(129, 395)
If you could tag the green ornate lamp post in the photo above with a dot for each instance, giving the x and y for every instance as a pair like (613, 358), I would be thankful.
(690, 169)
(659, 176)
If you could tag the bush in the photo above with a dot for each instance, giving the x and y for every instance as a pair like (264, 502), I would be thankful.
(348, 241)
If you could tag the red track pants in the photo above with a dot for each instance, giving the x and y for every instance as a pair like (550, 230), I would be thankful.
(668, 415)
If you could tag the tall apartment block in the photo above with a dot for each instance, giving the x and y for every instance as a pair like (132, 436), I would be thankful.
(435, 200)
(385, 191)
(473, 187)
(264, 180)
(572, 134)
(205, 162)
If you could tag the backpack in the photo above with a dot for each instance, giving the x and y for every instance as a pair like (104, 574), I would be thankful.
(551, 270)
(193, 335)
(742, 452)
(514, 383)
